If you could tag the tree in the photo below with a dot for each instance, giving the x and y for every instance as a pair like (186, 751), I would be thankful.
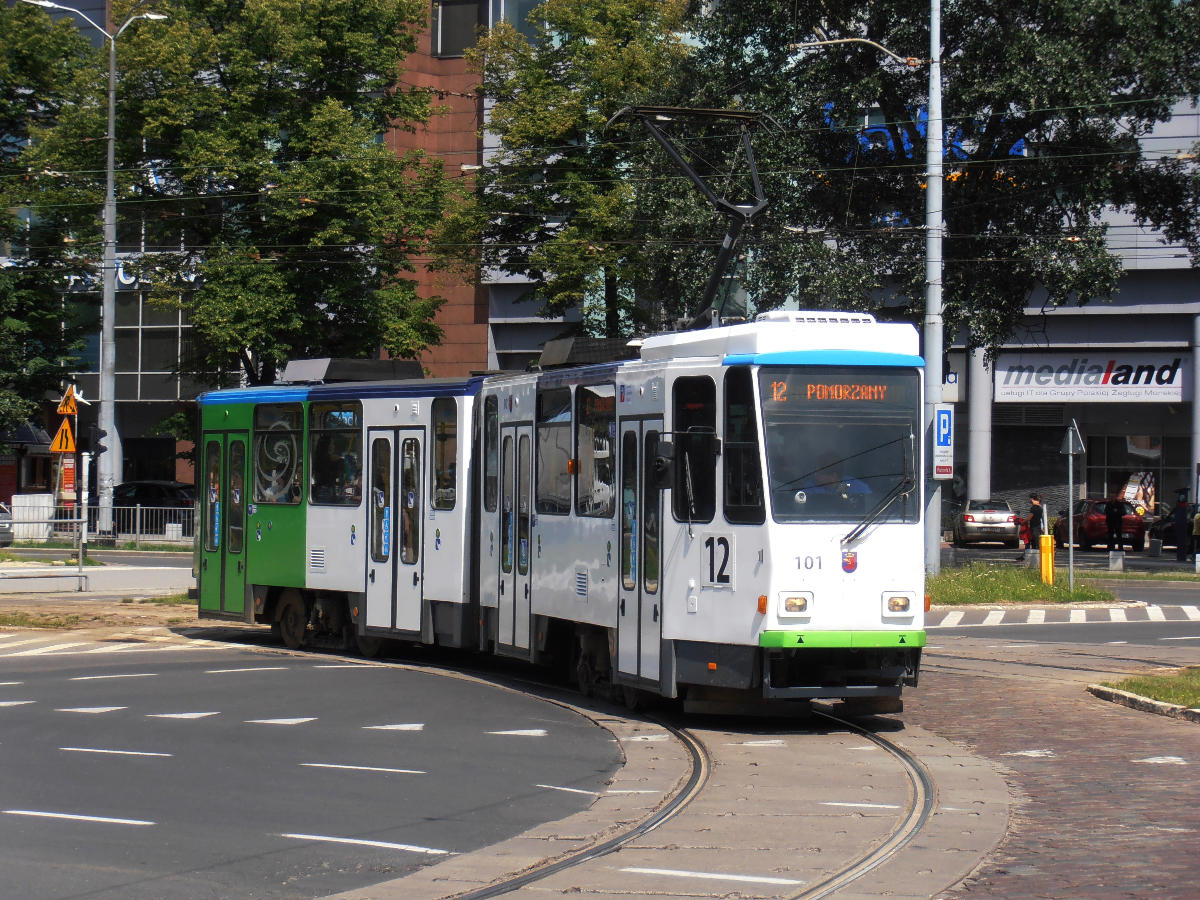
(558, 201)
(256, 186)
(44, 70)
(1044, 108)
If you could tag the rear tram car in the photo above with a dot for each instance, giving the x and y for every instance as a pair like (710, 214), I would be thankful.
(732, 518)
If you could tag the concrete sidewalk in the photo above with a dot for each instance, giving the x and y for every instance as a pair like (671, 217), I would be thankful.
(100, 582)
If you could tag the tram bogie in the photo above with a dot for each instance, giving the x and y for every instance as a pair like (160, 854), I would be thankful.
(736, 513)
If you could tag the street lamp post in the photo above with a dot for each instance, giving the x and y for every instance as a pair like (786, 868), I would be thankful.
(108, 465)
(933, 339)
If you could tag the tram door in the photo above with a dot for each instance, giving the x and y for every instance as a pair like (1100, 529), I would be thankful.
(394, 545)
(639, 608)
(223, 523)
(516, 519)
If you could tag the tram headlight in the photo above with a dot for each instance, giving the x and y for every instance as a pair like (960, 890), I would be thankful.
(896, 603)
(795, 603)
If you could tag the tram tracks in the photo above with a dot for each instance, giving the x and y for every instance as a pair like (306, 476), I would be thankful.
(909, 823)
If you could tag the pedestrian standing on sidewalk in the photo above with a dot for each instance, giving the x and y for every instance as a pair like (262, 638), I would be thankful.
(1114, 518)
(1037, 522)
(1196, 533)
(1181, 522)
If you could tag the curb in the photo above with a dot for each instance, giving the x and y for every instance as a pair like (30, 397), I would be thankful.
(1144, 704)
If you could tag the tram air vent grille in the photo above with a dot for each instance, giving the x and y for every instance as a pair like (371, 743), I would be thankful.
(316, 557)
(581, 583)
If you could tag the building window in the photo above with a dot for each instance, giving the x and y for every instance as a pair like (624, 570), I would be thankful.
(454, 25)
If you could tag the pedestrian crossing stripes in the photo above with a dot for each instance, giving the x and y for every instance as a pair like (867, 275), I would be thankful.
(976, 617)
(54, 645)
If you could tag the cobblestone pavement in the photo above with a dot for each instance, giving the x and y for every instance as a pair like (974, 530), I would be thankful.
(1107, 799)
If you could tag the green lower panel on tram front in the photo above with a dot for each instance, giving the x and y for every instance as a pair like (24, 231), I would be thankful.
(845, 639)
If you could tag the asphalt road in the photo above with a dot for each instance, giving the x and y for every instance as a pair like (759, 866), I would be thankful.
(184, 773)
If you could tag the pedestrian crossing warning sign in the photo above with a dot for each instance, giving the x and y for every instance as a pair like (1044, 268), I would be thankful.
(64, 441)
(66, 406)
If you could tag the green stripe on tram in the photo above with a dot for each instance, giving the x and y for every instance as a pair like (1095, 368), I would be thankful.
(847, 639)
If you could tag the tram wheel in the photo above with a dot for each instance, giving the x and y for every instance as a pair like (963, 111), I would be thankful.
(367, 645)
(632, 697)
(293, 620)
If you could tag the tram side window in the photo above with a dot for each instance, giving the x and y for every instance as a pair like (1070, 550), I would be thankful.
(554, 451)
(595, 439)
(743, 473)
(694, 494)
(335, 436)
(278, 437)
(445, 449)
(491, 452)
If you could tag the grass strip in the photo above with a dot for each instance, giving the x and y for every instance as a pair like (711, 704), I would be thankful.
(984, 584)
(21, 619)
(1181, 688)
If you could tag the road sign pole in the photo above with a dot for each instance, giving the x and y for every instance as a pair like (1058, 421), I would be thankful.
(85, 462)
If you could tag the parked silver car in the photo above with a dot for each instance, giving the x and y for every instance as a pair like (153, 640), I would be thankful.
(987, 520)
(6, 526)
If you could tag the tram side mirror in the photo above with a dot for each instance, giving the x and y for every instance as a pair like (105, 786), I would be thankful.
(664, 464)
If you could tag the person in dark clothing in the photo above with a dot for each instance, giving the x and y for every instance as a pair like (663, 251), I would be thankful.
(1182, 525)
(1036, 523)
(1114, 516)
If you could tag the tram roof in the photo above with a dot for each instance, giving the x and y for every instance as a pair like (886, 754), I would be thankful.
(349, 390)
(772, 335)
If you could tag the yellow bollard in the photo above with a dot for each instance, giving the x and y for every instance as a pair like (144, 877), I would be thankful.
(1046, 551)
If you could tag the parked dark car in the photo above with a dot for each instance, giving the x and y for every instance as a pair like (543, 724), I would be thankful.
(1091, 525)
(986, 520)
(1163, 527)
(162, 502)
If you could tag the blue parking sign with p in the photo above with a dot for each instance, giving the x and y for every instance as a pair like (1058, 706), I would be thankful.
(943, 441)
(945, 427)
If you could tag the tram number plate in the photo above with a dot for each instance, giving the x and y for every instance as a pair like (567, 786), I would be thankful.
(716, 560)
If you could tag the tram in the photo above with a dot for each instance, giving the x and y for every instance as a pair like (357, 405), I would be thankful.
(732, 518)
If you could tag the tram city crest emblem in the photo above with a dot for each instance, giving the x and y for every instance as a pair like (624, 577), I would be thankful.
(849, 560)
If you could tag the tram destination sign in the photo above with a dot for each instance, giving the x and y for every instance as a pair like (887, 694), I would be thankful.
(1093, 377)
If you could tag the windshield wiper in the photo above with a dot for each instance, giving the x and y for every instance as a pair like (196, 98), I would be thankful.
(902, 489)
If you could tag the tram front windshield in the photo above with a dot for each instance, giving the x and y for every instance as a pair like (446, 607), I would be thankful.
(841, 441)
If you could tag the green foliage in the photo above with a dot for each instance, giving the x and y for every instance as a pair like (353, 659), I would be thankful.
(44, 69)
(1043, 104)
(254, 171)
(559, 202)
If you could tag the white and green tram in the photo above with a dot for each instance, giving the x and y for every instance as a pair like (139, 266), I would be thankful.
(733, 517)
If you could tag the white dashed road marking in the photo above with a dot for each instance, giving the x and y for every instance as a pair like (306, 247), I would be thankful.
(183, 715)
(522, 732)
(385, 845)
(112, 752)
(105, 677)
(1033, 754)
(952, 618)
(15, 702)
(413, 726)
(246, 669)
(1163, 760)
(300, 720)
(711, 876)
(365, 768)
(555, 787)
(91, 710)
(104, 820)
(1154, 614)
(861, 805)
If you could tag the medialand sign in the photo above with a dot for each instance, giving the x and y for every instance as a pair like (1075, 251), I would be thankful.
(1094, 376)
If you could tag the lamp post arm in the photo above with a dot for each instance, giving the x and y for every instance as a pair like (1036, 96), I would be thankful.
(910, 61)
